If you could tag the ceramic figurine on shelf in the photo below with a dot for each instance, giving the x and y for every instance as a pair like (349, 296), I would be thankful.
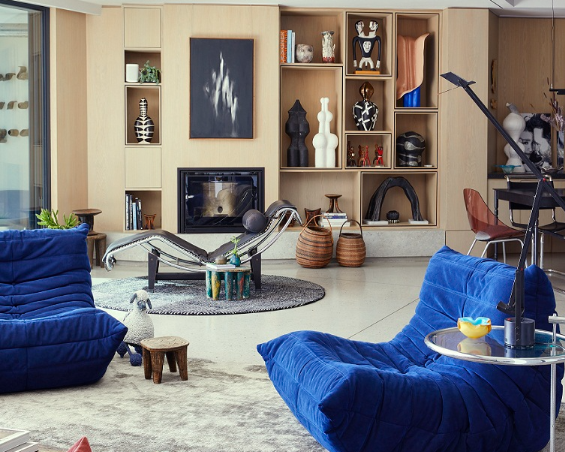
(144, 125)
(328, 47)
(331, 138)
(365, 112)
(364, 156)
(378, 160)
(297, 128)
(366, 44)
(320, 140)
(350, 155)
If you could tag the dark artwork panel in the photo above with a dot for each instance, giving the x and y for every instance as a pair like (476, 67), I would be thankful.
(221, 88)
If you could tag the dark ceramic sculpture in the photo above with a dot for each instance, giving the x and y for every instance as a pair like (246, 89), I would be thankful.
(297, 128)
(409, 148)
(376, 202)
(365, 112)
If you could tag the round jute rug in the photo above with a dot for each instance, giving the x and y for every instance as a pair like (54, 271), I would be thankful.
(189, 297)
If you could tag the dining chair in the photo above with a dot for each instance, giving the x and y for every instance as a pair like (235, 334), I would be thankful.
(486, 226)
(554, 227)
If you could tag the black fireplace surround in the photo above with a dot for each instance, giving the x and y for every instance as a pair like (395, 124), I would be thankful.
(215, 199)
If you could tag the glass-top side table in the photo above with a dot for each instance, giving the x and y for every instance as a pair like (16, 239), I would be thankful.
(549, 348)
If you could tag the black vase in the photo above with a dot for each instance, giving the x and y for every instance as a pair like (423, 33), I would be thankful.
(297, 128)
(144, 126)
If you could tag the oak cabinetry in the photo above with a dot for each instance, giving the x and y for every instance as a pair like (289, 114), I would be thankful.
(143, 162)
(339, 82)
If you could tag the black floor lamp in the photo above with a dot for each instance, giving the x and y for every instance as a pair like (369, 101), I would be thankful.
(519, 330)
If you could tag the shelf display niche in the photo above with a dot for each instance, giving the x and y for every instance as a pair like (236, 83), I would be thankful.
(415, 25)
(384, 31)
(308, 26)
(150, 204)
(382, 97)
(134, 93)
(424, 184)
(369, 139)
(426, 125)
(309, 85)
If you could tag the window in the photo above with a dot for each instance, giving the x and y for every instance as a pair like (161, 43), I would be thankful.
(24, 119)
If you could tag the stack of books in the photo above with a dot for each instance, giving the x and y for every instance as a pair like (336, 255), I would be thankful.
(287, 46)
(219, 267)
(16, 441)
(336, 219)
(134, 217)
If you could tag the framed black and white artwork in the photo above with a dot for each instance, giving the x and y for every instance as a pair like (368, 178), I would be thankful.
(221, 88)
(536, 139)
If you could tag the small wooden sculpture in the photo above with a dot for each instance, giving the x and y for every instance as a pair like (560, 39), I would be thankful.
(378, 160)
(364, 156)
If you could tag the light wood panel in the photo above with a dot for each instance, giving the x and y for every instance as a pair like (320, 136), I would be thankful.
(105, 77)
(143, 167)
(180, 23)
(463, 127)
(68, 111)
(142, 27)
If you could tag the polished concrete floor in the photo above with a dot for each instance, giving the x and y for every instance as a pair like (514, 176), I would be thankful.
(369, 303)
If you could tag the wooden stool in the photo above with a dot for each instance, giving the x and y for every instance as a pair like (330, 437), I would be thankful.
(98, 241)
(154, 351)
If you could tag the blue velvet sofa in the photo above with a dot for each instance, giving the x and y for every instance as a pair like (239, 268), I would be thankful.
(51, 335)
(401, 395)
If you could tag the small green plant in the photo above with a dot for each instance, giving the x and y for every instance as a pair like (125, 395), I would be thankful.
(149, 74)
(49, 219)
(235, 240)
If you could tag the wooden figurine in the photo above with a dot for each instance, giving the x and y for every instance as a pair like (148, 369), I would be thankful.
(364, 156)
(350, 155)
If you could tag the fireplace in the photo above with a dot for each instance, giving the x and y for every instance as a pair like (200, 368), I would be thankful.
(215, 199)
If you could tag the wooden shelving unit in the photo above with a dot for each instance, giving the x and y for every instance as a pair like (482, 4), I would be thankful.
(143, 162)
(306, 187)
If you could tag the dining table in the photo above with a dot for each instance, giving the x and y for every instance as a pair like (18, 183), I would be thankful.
(527, 197)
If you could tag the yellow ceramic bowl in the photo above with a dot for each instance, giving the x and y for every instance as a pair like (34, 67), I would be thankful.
(474, 328)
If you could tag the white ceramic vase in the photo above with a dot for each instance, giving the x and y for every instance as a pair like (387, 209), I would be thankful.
(331, 138)
(320, 141)
(514, 124)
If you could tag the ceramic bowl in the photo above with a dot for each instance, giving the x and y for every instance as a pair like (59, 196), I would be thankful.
(507, 169)
(304, 53)
(474, 328)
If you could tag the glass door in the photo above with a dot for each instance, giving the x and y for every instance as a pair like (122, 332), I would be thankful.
(24, 150)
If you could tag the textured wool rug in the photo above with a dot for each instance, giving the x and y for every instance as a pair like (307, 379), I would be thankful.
(217, 409)
(189, 297)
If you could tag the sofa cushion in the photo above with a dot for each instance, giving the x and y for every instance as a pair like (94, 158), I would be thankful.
(43, 272)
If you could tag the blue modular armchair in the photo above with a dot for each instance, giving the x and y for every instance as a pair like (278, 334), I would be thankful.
(402, 396)
(51, 335)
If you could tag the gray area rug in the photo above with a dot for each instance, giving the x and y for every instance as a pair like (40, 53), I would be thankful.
(215, 410)
(189, 297)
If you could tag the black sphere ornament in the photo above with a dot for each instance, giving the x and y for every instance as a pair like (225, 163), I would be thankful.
(409, 149)
(297, 128)
(393, 216)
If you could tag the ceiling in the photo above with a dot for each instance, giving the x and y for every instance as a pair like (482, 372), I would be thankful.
(504, 8)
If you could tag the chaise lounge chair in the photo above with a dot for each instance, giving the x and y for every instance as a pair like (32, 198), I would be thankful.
(401, 396)
(261, 231)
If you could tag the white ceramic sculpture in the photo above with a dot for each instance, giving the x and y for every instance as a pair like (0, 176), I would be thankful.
(514, 124)
(319, 141)
(331, 138)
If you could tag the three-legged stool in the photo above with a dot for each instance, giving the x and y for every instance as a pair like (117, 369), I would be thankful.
(154, 352)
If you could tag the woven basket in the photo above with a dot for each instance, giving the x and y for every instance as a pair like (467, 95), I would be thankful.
(314, 247)
(350, 248)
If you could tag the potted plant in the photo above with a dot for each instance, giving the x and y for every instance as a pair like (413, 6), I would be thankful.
(48, 218)
(235, 259)
(149, 74)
